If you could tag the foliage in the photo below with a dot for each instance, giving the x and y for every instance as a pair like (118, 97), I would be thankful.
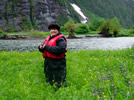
(115, 24)
(26, 25)
(92, 9)
(105, 28)
(33, 21)
(32, 33)
(110, 25)
(11, 29)
(74, 14)
(108, 9)
(1, 33)
(91, 75)
(132, 30)
(82, 29)
(37, 33)
(70, 25)
(61, 2)
(62, 29)
(15, 1)
(6, 11)
(95, 24)
(62, 19)
(12, 11)
(123, 32)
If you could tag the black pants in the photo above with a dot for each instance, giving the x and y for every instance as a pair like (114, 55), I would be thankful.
(55, 71)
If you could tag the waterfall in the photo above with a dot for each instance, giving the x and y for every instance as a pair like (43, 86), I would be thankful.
(78, 10)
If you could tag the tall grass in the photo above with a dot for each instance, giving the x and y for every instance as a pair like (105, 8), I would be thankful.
(32, 33)
(35, 33)
(91, 75)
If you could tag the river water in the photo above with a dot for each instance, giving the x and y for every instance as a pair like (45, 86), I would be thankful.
(73, 44)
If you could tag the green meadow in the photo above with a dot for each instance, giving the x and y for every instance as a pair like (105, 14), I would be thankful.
(91, 75)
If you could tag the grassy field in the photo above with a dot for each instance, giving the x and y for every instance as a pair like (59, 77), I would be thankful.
(91, 75)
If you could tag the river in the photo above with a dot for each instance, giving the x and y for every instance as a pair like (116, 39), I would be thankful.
(73, 44)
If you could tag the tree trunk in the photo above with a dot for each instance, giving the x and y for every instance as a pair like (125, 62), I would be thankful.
(115, 33)
(71, 34)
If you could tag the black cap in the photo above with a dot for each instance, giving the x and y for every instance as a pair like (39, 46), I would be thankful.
(54, 26)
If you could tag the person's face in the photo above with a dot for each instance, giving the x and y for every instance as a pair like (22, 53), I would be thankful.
(54, 32)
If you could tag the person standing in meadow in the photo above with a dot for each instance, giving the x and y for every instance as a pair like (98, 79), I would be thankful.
(54, 49)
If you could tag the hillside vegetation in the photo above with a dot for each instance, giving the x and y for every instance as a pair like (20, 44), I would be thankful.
(122, 9)
(25, 15)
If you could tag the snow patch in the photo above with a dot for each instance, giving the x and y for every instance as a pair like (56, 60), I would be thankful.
(78, 10)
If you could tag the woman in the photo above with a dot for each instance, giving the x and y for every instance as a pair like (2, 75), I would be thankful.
(54, 49)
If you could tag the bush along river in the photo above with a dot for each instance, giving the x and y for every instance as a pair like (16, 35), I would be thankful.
(73, 44)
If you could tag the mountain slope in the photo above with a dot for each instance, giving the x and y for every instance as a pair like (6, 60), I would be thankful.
(19, 15)
(122, 9)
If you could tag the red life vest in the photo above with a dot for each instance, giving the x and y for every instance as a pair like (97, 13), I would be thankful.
(52, 42)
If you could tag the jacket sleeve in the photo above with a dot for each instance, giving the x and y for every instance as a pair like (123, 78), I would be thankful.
(59, 48)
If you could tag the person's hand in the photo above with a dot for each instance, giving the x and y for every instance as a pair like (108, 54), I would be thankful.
(42, 46)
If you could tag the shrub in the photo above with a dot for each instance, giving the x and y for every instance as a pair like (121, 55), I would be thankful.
(63, 29)
(11, 29)
(115, 26)
(105, 28)
(26, 25)
(123, 32)
(95, 24)
(1, 33)
(110, 27)
(70, 26)
(132, 30)
(82, 29)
